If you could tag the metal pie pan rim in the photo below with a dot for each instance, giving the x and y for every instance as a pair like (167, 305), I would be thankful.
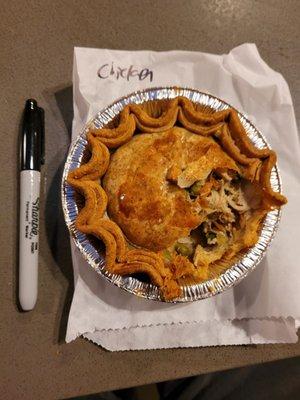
(232, 276)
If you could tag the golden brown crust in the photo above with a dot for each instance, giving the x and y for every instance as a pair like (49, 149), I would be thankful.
(106, 237)
(116, 232)
(155, 116)
(214, 130)
(148, 257)
(231, 148)
(116, 136)
(198, 116)
(139, 267)
(241, 139)
(97, 165)
(195, 128)
(95, 200)
(166, 212)
(170, 289)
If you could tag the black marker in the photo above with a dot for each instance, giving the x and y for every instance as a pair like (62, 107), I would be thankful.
(32, 157)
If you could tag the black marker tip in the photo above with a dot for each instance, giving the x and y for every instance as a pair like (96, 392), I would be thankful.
(31, 104)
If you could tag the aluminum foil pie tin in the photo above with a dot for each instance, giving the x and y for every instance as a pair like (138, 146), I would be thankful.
(90, 249)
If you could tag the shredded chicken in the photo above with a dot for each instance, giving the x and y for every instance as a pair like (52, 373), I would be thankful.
(205, 256)
(194, 172)
(225, 204)
(236, 197)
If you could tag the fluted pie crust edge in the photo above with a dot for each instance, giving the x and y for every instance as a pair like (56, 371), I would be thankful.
(154, 117)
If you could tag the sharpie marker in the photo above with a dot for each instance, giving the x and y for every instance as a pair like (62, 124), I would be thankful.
(32, 157)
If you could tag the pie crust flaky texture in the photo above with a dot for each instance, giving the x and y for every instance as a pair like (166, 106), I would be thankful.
(175, 191)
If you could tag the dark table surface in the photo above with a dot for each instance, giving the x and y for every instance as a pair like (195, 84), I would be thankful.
(36, 55)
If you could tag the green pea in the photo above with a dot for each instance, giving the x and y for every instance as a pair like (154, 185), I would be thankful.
(167, 255)
(195, 188)
(183, 249)
(211, 235)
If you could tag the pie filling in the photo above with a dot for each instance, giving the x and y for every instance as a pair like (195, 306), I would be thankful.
(179, 194)
(224, 207)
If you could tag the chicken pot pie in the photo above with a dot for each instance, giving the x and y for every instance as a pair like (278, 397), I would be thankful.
(175, 191)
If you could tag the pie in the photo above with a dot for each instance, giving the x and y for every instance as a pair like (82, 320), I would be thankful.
(176, 192)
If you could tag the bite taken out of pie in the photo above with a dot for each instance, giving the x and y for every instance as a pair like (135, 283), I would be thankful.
(175, 191)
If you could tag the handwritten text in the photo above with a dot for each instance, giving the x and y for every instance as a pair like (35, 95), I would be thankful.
(126, 73)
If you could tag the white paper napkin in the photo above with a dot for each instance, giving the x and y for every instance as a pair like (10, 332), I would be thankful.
(208, 333)
(257, 310)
